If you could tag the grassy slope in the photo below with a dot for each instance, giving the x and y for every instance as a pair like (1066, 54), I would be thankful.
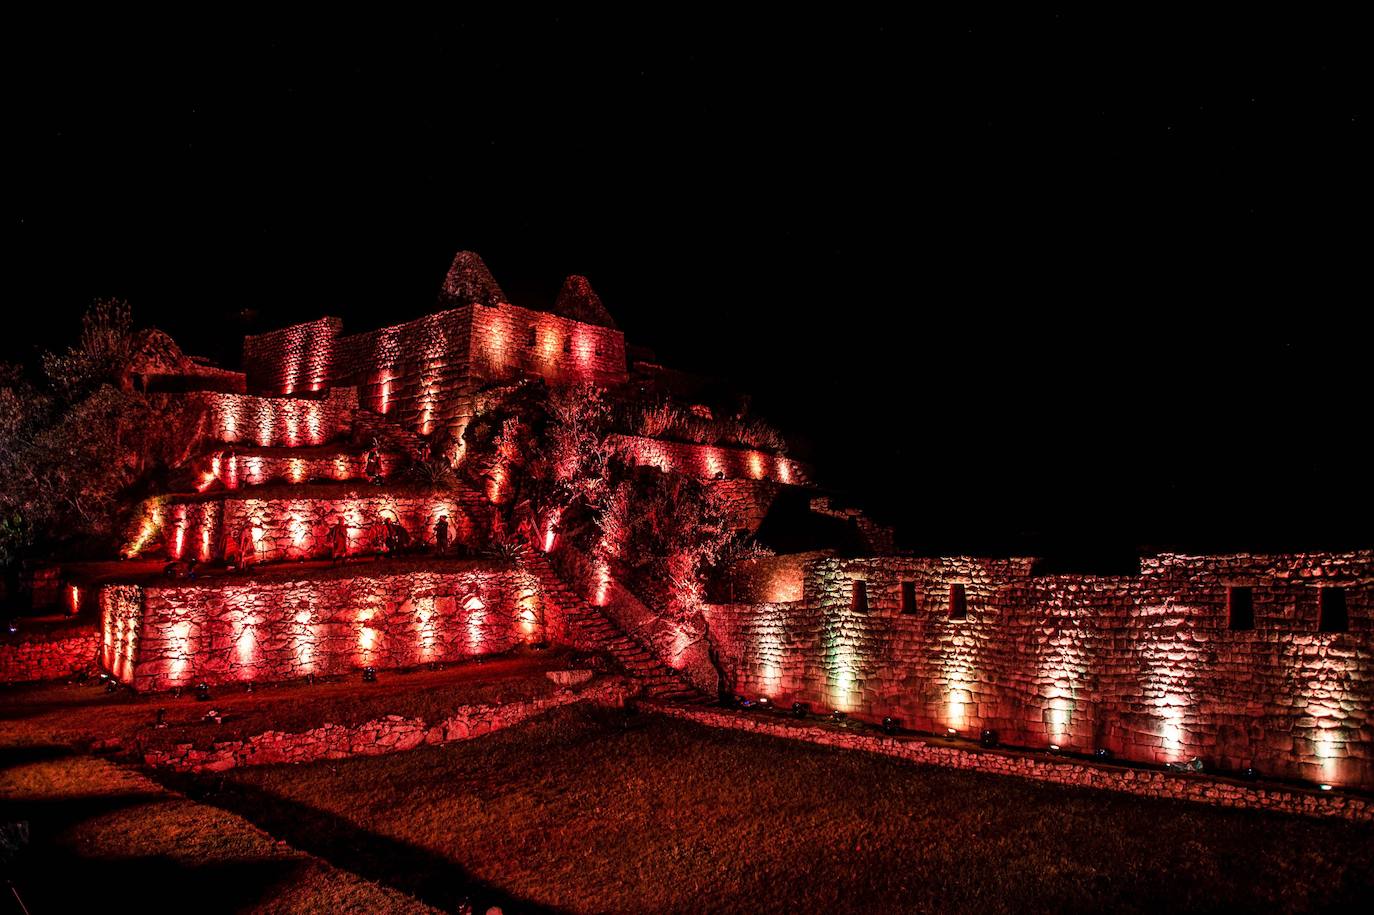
(576, 811)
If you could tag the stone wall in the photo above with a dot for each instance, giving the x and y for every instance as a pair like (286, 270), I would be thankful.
(423, 374)
(417, 374)
(1145, 666)
(278, 627)
(297, 526)
(509, 342)
(390, 734)
(746, 501)
(290, 422)
(47, 655)
(261, 466)
(711, 462)
(291, 360)
(1203, 789)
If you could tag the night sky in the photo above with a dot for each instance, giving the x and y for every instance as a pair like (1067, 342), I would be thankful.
(1046, 285)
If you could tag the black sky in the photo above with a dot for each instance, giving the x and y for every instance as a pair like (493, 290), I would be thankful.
(1048, 284)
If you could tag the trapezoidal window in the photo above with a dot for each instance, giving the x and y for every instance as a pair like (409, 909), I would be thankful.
(858, 597)
(1240, 607)
(958, 602)
(567, 343)
(1334, 616)
(532, 337)
(908, 597)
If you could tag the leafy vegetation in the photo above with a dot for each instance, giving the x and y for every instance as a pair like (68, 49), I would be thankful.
(79, 441)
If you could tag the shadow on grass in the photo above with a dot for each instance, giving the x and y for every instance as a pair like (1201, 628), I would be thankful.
(419, 872)
(51, 876)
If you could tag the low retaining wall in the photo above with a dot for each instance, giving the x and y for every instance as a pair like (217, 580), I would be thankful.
(39, 656)
(389, 734)
(1177, 786)
(277, 626)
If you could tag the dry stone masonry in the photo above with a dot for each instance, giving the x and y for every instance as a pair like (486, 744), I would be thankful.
(1260, 662)
(1150, 667)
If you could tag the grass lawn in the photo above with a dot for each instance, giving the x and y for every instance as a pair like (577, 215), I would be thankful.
(591, 811)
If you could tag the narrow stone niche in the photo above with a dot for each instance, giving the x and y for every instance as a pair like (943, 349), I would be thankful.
(1334, 616)
(958, 602)
(1240, 607)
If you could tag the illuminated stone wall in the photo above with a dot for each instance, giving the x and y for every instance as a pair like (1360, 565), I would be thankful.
(296, 525)
(27, 656)
(292, 360)
(277, 627)
(261, 466)
(509, 342)
(711, 462)
(423, 374)
(278, 421)
(1145, 666)
(415, 374)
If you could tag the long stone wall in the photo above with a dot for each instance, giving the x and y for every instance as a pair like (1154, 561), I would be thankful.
(261, 466)
(1145, 666)
(711, 462)
(297, 526)
(290, 422)
(279, 627)
(423, 374)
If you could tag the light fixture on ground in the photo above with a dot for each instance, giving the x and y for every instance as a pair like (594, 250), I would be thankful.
(951, 732)
(988, 738)
(1102, 753)
(891, 725)
(800, 709)
(202, 692)
(369, 675)
(837, 715)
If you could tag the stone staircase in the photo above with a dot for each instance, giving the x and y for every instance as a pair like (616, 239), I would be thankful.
(591, 628)
(368, 426)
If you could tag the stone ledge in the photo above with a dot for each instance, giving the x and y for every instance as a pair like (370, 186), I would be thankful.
(1146, 783)
(388, 734)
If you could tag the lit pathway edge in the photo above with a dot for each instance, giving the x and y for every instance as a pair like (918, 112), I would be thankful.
(1195, 787)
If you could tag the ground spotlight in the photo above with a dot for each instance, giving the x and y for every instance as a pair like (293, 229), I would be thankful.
(837, 715)
(1250, 773)
(762, 702)
(369, 675)
(800, 710)
(1102, 753)
(1054, 748)
(1324, 787)
(202, 692)
(988, 738)
(891, 725)
(951, 732)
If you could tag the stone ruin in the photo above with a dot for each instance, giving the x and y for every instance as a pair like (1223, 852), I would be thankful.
(1245, 661)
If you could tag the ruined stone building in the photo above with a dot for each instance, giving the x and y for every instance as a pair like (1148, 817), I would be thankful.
(1243, 661)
